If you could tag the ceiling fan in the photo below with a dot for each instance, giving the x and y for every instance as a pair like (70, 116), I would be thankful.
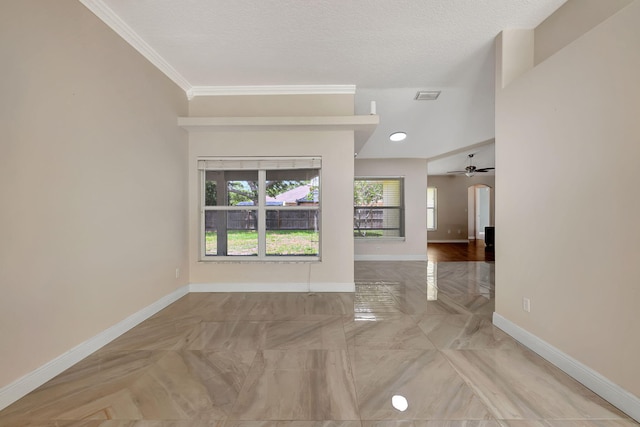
(471, 170)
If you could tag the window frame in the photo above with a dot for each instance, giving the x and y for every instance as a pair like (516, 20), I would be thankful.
(434, 209)
(263, 165)
(401, 208)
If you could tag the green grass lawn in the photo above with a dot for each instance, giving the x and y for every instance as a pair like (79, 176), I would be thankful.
(279, 242)
(239, 242)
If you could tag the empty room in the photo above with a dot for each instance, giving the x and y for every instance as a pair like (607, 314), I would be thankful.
(365, 213)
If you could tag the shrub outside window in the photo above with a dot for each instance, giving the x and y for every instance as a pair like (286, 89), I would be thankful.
(260, 208)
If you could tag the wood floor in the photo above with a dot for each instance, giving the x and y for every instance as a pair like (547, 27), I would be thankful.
(475, 250)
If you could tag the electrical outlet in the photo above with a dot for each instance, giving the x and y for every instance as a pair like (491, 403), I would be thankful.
(177, 273)
(526, 304)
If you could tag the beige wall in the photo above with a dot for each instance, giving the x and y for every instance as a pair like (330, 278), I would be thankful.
(335, 270)
(271, 105)
(92, 182)
(515, 55)
(570, 21)
(414, 246)
(569, 231)
(452, 204)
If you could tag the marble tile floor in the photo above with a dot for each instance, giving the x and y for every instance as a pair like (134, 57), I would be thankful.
(417, 330)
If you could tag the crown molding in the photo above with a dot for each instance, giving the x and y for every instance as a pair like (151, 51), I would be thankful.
(113, 21)
(274, 90)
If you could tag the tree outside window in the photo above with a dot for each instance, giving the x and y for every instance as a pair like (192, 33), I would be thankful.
(260, 208)
(378, 207)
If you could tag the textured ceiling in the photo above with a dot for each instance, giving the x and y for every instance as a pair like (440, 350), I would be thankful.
(388, 49)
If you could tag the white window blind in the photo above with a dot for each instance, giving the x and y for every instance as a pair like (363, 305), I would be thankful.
(265, 163)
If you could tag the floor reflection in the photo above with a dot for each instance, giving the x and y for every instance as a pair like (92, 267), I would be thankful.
(413, 346)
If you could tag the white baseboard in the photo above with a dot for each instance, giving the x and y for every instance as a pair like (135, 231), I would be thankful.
(26, 384)
(447, 241)
(409, 257)
(34, 379)
(609, 391)
(272, 287)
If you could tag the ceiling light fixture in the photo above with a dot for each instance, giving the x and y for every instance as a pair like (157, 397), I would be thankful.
(398, 136)
(427, 95)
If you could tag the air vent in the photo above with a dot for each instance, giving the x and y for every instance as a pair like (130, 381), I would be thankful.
(427, 95)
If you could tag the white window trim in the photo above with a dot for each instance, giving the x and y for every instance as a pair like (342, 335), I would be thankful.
(435, 210)
(402, 210)
(261, 164)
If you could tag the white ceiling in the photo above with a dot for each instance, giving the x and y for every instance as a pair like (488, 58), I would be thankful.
(388, 49)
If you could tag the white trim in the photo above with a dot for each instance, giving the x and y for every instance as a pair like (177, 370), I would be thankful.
(34, 379)
(407, 257)
(272, 287)
(274, 90)
(280, 123)
(377, 240)
(113, 21)
(447, 241)
(591, 379)
(267, 259)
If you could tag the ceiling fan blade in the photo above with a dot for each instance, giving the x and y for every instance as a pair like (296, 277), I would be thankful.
(484, 169)
(457, 172)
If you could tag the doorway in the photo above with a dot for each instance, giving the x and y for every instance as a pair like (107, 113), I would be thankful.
(479, 199)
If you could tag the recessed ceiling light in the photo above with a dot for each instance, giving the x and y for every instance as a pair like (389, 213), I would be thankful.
(398, 136)
(427, 95)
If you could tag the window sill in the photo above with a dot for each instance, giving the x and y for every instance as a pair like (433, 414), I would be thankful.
(254, 260)
(380, 239)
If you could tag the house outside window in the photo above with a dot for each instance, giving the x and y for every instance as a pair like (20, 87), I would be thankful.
(432, 213)
(265, 209)
(378, 210)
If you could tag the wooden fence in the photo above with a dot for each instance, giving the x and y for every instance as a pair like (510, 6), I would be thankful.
(276, 220)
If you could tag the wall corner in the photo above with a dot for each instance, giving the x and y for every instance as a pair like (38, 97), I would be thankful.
(514, 55)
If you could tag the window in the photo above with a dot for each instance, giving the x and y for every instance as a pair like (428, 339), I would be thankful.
(260, 208)
(378, 207)
(432, 196)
